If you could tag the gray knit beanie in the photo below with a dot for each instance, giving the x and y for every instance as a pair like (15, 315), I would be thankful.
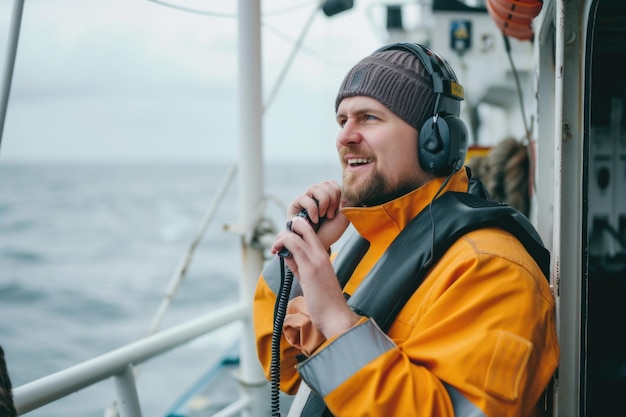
(397, 79)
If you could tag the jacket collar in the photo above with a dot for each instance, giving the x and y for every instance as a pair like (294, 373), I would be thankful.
(384, 222)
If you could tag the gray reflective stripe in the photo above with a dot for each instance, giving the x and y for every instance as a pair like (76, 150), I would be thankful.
(299, 400)
(271, 275)
(462, 406)
(331, 366)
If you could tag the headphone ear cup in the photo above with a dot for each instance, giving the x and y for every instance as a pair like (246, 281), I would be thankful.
(442, 144)
(432, 146)
(458, 135)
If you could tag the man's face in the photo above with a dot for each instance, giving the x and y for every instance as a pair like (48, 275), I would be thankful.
(378, 153)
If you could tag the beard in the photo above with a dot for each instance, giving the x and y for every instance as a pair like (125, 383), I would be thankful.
(375, 191)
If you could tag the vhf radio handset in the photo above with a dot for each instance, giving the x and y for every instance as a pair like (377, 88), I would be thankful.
(284, 252)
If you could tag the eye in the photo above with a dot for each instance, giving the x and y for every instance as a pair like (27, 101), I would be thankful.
(341, 121)
(369, 117)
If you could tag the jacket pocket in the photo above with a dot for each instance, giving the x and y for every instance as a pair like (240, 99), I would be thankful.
(508, 366)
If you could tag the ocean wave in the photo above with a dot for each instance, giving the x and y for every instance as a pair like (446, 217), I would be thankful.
(22, 255)
(16, 293)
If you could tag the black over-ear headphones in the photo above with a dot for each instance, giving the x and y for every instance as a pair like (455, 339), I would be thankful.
(442, 142)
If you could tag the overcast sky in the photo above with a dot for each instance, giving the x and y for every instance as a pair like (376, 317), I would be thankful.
(133, 80)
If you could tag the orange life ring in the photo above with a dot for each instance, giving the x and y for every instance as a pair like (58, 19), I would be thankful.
(514, 17)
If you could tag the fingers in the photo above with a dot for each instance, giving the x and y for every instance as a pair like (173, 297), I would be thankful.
(284, 252)
(328, 196)
(299, 238)
(320, 200)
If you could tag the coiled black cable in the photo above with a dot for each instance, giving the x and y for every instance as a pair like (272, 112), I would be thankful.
(280, 310)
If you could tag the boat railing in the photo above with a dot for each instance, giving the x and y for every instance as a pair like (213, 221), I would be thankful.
(118, 365)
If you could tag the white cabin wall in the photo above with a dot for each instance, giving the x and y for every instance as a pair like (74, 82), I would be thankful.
(485, 72)
(544, 128)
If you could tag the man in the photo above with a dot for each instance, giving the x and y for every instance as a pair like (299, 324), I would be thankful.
(470, 331)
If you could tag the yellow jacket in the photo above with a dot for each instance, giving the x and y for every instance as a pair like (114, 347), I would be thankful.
(478, 337)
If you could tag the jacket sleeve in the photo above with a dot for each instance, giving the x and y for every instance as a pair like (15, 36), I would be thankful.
(478, 338)
(268, 286)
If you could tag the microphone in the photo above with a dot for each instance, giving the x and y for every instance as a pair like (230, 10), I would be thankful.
(284, 252)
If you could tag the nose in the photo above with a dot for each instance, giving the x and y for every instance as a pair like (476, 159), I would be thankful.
(349, 133)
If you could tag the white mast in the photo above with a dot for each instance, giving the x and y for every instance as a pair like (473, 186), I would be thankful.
(9, 64)
(250, 190)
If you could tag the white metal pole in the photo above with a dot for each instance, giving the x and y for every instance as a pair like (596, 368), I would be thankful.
(7, 74)
(253, 382)
(127, 398)
(567, 270)
(563, 302)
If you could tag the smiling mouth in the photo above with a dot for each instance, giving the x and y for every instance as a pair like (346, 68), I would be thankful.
(354, 162)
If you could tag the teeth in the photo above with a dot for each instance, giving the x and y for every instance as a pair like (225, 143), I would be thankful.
(354, 161)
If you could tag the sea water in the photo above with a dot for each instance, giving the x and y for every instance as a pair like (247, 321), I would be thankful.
(88, 250)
